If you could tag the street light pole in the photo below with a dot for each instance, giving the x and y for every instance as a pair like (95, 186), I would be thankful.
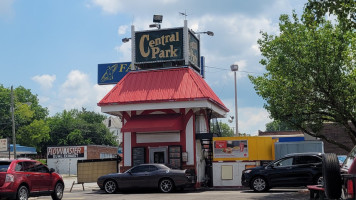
(235, 68)
(13, 121)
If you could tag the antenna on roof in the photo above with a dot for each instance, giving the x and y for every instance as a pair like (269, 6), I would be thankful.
(184, 14)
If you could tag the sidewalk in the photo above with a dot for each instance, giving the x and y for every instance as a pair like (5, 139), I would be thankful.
(68, 182)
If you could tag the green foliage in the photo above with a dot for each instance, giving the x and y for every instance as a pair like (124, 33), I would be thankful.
(344, 10)
(30, 125)
(34, 134)
(277, 125)
(76, 127)
(311, 75)
(225, 129)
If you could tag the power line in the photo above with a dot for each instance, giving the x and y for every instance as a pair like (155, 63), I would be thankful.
(223, 69)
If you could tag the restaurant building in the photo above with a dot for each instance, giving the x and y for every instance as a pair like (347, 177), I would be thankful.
(165, 104)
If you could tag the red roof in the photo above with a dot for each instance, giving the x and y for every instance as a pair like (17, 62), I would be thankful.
(166, 85)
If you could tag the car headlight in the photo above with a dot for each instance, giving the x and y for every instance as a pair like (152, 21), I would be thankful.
(247, 171)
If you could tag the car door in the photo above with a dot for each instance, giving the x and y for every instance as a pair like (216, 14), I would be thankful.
(306, 169)
(135, 178)
(281, 172)
(32, 176)
(46, 178)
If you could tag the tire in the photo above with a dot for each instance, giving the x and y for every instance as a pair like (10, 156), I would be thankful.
(110, 186)
(259, 184)
(22, 193)
(58, 191)
(332, 176)
(166, 185)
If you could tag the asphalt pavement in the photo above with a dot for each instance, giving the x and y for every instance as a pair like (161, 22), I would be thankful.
(71, 183)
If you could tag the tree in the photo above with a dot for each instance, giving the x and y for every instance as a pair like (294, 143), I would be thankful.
(29, 116)
(76, 127)
(277, 125)
(344, 10)
(34, 134)
(311, 75)
(224, 129)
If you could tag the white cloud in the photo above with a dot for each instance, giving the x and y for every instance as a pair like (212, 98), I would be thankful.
(124, 52)
(77, 92)
(109, 6)
(122, 29)
(6, 7)
(46, 81)
(250, 119)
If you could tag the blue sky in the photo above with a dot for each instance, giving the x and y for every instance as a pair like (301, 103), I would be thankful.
(54, 47)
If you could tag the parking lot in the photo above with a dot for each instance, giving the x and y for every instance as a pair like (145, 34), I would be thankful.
(92, 192)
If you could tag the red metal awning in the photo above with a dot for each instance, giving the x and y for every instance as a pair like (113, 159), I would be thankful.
(153, 123)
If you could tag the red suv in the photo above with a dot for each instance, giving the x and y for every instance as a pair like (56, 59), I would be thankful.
(22, 178)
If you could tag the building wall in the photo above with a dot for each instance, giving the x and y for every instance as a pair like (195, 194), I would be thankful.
(228, 174)
(99, 152)
(65, 162)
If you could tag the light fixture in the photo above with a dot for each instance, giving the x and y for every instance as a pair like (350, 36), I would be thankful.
(231, 119)
(124, 40)
(158, 26)
(157, 18)
(210, 33)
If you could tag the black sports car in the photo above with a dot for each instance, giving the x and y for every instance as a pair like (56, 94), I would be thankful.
(147, 176)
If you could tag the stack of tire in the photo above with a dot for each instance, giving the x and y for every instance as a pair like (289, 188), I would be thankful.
(332, 176)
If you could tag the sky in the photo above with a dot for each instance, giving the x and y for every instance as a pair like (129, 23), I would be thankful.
(54, 47)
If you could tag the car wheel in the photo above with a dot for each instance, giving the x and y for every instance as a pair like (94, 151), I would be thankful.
(332, 176)
(22, 193)
(58, 191)
(166, 185)
(110, 186)
(259, 184)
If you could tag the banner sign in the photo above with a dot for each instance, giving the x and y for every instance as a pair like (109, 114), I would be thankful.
(159, 45)
(230, 149)
(65, 152)
(3, 145)
(194, 57)
(112, 73)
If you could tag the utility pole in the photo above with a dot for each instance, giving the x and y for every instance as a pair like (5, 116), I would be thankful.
(13, 122)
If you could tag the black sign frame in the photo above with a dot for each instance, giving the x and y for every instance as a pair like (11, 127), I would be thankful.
(161, 45)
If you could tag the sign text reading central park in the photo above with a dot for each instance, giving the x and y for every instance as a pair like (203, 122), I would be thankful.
(162, 45)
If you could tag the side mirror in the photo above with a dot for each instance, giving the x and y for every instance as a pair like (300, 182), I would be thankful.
(129, 172)
(51, 170)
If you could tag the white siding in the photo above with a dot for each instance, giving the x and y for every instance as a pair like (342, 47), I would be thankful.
(157, 137)
(190, 140)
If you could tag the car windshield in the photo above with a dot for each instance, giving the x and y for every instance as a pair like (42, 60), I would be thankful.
(4, 165)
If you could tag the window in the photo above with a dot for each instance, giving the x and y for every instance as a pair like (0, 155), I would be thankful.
(4, 166)
(41, 168)
(300, 160)
(20, 167)
(139, 169)
(152, 168)
(284, 162)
